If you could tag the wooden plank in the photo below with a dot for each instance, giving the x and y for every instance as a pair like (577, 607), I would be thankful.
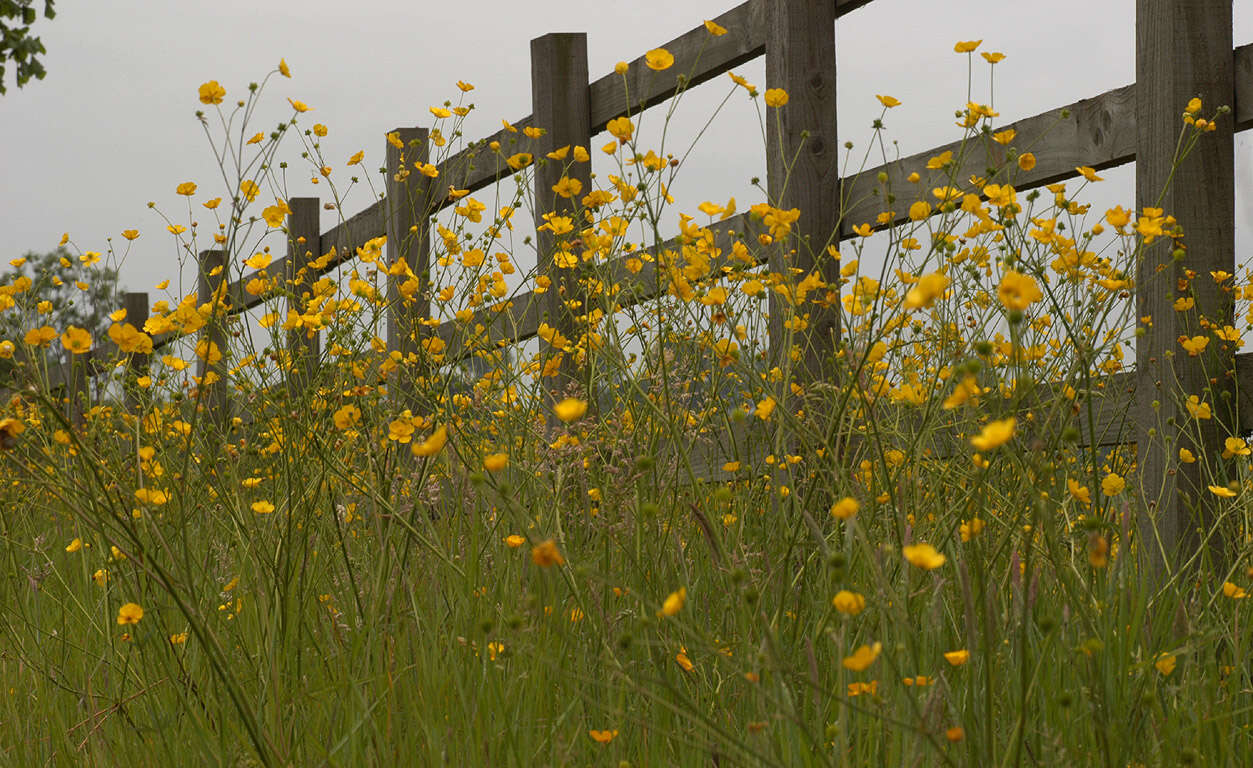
(136, 306)
(522, 314)
(1183, 47)
(559, 106)
(212, 276)
(698, 57)
(1099, 132)
(408, 240)
(304, 245)
(803, 172)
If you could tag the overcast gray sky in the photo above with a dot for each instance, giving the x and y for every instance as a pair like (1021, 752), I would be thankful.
(113, 127)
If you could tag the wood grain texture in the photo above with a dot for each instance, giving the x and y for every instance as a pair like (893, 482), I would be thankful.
(522, 314)
(1184, 49)
(1099, 132)
(698, 57)
(137, 307)
(803, 171)
(212, 276)
(559, 106)
(407, 221)
(304, 245)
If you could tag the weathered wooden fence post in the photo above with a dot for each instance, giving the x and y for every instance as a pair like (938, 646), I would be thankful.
(408, 204)
(802, 171)
(211, 347)
(1183, 50)
(137, 308)
(303, 246)
(560, 106)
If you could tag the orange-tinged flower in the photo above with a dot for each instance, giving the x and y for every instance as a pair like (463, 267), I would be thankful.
(923, 556)
(520, 160)
(514, 541)
(433, 444)
(1195, 345)
(659, 59)
(955, 734)
(926, 290)
(75, 545)
(546, 555)
(994, 434)
(1233, 591)
(776, 97)
(849, 603)
(715, 29)
(1018, 291)
(621, 128)
(765, 408)
(845, 508)
(957, 658)
(283, 69)
(1079, 493)
(152, 497)
(187, 188)
(1234, 446)
(683, 660)
(130, 613)
(1113, 484)
(494, 462)
(570, 409)
(674, 602)
(1165, 663)
(130, 234)
(274, 215)
(262, 507)
(602, 737)
(993, 57)
(1026, 161)
(39, 337)
(299, 106)
(1088, 173)
(966, 46)
(212, 93)
(76, 340)
(887, 101)
(346, 417)
(863, 657)
(1222, 490)
(568, 187)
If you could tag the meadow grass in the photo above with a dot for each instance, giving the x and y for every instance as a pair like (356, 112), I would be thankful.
(700, 557)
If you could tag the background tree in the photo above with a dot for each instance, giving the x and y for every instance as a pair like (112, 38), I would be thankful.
(16, 42)
(57, 289)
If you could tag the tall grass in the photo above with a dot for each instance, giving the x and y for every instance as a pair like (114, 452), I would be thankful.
(914, 562)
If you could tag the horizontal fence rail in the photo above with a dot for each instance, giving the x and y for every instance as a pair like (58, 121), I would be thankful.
(1101, 132)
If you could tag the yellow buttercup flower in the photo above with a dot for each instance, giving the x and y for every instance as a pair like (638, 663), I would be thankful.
(659, 59)
(923, 556)
(995, 434)
(674, 602)
(776, 97)
(862, 658)
(212, 93)
(129, 613)
(570, 409)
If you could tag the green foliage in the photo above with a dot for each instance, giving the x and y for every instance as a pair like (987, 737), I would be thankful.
(55, 277)
(16, 42)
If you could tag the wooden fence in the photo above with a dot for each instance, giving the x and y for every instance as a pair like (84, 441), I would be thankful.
(1184, 48)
